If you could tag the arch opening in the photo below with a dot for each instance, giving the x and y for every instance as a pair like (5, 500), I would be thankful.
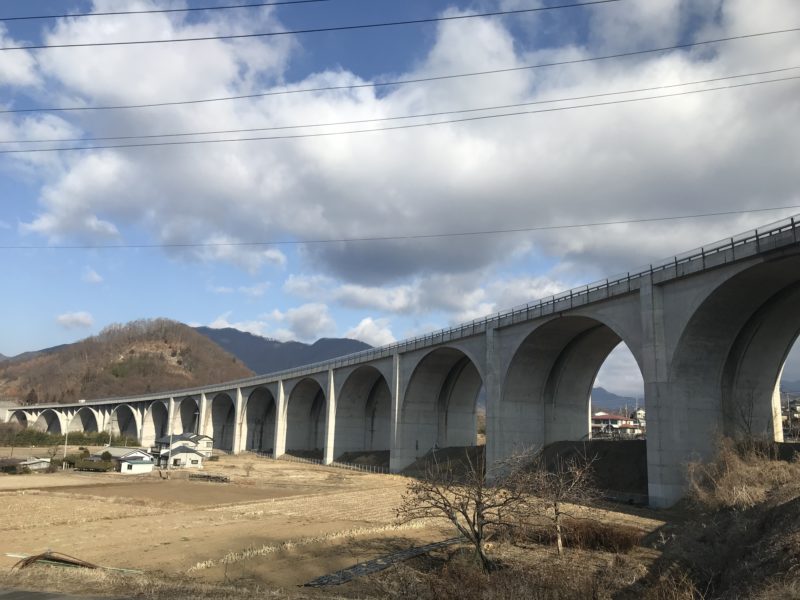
(549, 383)
(155, 423)
(20, 419)
(440, 407)
(258, 427)
(84, 421)
(222, 422)
(124, 425)
(363, 409)
(617, 398)
(789, 394)
(188, 416)
(305, 419)
(728, 360)
(49, 422)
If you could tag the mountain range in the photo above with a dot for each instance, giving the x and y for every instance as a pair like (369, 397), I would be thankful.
(264, 355)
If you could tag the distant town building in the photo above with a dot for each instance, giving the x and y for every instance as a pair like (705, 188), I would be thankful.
(615, 425)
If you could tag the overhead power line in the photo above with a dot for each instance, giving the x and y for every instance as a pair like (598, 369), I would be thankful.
(396, 127)
(240, 36)
(404, 81)
(390, 238)
(401, 117)
(161, 10)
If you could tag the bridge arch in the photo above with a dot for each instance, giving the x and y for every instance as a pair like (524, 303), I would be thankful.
(363, 412)
(728, 359)
(125, 422)
(222, 424)
(546, 392)
(439, 407)
(155, 423)
(187, 419)
(84, 420)
(305, 417)
(20, 418)
(50, 421)
(258, 421)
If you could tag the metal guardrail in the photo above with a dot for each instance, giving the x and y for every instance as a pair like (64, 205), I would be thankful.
(783, 233)
(318, 461)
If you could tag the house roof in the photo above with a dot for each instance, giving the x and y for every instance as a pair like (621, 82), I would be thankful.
(183, 437)
(180, 450)
(119, 452)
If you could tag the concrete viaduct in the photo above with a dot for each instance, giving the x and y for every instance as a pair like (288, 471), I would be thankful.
(710, 330)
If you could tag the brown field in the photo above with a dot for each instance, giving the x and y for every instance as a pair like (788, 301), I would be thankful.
(280, 527)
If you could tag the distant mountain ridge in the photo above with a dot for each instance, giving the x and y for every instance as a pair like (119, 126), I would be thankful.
(602, 399)
(264, 355)
(135, 358)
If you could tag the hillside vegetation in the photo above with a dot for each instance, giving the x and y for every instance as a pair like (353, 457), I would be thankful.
(139, 357)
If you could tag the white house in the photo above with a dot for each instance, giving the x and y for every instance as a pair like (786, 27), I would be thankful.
(200, 446)
(609, 424)
(135, 466)
(128, 460)
(183, 457)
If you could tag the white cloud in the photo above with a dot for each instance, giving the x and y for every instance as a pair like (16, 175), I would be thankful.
(75, 320)
(256, 290)
(256, 327)
(91, 276)
(305, 323)
(375, 332)
(17, 67)
(620, 374)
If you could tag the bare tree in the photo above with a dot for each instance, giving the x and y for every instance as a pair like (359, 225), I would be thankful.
(553, 489)
(460, 493)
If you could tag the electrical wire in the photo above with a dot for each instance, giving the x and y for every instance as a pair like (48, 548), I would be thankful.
(401, 117)
(395, 127)
(161, 10)
(399, 237)
(405, 81)
(240, 36)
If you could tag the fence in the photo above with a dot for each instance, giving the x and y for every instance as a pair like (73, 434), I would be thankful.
(379, 469)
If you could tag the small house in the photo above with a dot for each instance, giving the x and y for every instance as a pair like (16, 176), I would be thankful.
(127, 460)
(182, 457)
(135, 466)
(36, 464)
(202, 444)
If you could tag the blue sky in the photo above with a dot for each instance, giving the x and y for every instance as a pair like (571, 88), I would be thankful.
(688, 155)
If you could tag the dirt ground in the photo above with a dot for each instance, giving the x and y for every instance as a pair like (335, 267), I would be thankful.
(280, 526)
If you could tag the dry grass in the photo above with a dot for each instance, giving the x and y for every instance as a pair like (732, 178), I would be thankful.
(151, 586)
(248, 553)
(739, 477)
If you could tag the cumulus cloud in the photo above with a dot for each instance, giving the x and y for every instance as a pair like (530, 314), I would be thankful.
(305, 323)
(91, 276)
(375, 332)
(75, 320)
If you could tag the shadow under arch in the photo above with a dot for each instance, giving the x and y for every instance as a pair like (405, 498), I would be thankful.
(84, 420)
(305, 417)
(49, 421)
(258, 423)
(20, 418)
(728, 359)
(187, 419)
(155, 424)
(124, 423)
(222, 424)
(547, 389)
(439, 406)
(363, 411)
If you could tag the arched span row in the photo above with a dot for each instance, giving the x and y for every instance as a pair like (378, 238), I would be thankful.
(710, 335)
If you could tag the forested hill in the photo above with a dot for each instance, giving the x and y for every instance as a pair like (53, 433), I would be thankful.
(136, 358)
